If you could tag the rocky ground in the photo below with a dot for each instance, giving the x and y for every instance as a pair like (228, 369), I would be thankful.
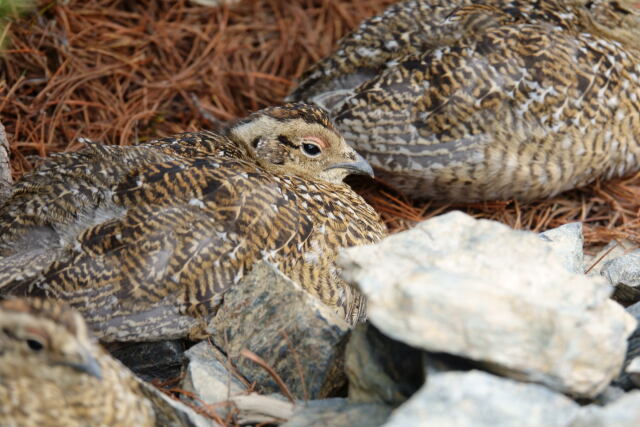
(470, 323)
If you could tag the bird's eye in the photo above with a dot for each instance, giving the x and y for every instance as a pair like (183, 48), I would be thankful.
(310, 149)
(35, 345)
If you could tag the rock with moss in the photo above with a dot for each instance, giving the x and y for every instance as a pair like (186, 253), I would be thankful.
(294, 334)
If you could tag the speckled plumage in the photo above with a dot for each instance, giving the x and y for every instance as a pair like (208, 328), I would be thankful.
(488, 99)
(144, 240)
(53, 374)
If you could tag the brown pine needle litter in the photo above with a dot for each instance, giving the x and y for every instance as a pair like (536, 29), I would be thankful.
(124, 72)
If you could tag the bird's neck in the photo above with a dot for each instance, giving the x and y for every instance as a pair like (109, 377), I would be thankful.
(242, 144)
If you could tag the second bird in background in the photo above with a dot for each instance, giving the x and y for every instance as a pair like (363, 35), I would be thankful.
(489, 99)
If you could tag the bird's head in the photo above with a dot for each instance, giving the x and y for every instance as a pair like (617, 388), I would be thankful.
(299, 139)
(615, 19)
(42, 334)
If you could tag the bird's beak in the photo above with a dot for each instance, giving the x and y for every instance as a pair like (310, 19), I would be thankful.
(360, 166)
(89, 366)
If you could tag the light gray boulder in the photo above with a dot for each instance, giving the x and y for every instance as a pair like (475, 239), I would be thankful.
(633, 370)
(479, 399)
(624, 269)
(567, 241)
(593, 263)
(208, 378)
(624, 273)
(480, 290)
(624, 412)
(338, 413)
(630, 376)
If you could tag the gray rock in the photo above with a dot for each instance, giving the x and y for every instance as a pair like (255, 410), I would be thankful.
(275, 409)
(633, 370)
(624, 273)
(173, 413)
(302, 339)
(633, 349)
(5, 168)
(480, 290)
(634, 310)
(207, 377)
(338, 413)
(260, 409)
(609, 395)
(628, 379)
(478, 399)
(160, 360)
(381, 369)
(593, 263)
(567, 241)
(624, 412)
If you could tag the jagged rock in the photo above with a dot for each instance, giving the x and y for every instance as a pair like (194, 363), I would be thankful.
(624, 412)
(593, 263)
(259, 409)
(633, 370)
(161, 360)
(568, 242)
(170, 412)
(480, 290)
(275, 409)
(609, 395)
(624, 273)
(338, 413)
(5, 168)
(478, 399)
(207, 377)
(634, 310)
(628, 379)
(381, 369)
(302, 339)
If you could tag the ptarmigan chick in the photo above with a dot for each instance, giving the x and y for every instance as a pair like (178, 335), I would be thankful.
(53, 374)
(469, 100)
(144, 240)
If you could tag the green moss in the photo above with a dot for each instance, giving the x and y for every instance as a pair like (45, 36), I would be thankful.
(14, 8)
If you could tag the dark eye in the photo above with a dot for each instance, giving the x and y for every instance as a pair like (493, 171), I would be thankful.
(35, 345)
(311, 149)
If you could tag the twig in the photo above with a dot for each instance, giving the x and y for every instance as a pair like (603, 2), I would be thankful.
(258, 360)
(603, 256)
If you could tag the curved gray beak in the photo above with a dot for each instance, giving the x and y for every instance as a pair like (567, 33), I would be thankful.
(89, 366)
(360, 166)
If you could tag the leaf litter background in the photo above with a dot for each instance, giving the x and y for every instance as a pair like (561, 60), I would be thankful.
(123, 72)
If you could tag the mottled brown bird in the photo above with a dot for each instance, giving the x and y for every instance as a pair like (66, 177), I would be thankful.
(489, 99)
(53, 374)
(144, 240)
